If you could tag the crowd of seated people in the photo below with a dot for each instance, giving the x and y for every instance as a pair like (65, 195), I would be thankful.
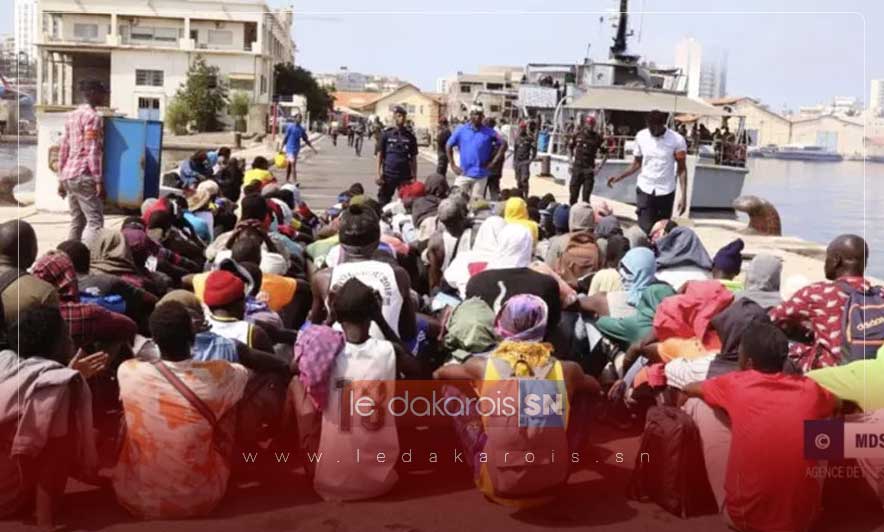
(229, 314)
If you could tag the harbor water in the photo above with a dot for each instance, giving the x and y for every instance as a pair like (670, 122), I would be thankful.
(816, 200)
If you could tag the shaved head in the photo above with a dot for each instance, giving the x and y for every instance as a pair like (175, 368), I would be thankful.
(18, 243)
(846, 255)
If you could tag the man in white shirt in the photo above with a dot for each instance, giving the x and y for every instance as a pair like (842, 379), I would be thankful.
(659, 154)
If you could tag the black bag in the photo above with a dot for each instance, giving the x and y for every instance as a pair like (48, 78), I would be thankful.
(6, 279)
(672, 473)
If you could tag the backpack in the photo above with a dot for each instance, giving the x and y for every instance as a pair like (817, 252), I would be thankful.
(579, 258)
(673, 472)
(862, 323)
(508, 472)
(6, 279)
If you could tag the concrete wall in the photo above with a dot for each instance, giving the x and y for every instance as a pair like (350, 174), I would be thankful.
(849, 135)
(771, 129)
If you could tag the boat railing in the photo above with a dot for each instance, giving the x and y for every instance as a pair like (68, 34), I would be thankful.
(723, 152)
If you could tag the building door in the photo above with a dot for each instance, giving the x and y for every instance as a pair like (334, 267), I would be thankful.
(827, 139)
(149, 108)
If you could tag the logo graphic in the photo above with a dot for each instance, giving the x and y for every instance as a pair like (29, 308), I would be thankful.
(823, 439)
(541, 404)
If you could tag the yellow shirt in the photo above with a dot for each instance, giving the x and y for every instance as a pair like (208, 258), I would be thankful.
(257, 174)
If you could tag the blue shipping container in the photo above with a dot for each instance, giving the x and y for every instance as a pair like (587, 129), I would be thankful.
(132, 156)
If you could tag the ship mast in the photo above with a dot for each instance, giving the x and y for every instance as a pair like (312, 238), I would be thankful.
(619, 46)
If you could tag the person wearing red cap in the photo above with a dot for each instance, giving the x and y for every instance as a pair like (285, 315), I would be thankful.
(524, 151)
(584, 147)
(225, 295)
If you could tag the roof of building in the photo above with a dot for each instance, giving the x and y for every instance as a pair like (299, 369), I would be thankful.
(355, 100)
(361, 100)
(729, 100)
(643, 100)
(482, 78)
(843, 120)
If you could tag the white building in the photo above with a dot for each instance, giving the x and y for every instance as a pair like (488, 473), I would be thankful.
(142, 50)
(706, 75)
(25, 31)
(496, 88)
(346, 80)
(876, 96)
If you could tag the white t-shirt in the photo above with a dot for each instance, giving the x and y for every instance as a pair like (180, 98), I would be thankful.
(349, 467)
(658, 160)
(381, 277)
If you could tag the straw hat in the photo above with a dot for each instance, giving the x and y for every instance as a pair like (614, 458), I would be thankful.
(205, 191)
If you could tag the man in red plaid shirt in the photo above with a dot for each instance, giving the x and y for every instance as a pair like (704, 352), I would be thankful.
(818, 309)
(79, 164)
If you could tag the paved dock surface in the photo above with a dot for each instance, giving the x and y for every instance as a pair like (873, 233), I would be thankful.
(427, 497)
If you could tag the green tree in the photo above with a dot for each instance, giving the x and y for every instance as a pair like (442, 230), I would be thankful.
(203, 94)
(177, 116)
(239, 108)
(289, 79)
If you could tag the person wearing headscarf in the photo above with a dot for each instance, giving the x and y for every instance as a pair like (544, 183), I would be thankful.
(763, 281)
(580, 220)
(508, 274)
(471, 262)
(470, 330)
(516, 212)
(605, 228)
(681, 257)
(89, 325)
(110, 254)
(727, 263)
(522, 325)
(643, 292)
(315, 352)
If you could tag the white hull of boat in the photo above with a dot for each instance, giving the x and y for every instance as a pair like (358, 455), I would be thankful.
(712, 187)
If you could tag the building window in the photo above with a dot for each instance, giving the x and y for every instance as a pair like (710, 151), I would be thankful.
(263, 84)
(494, 108)
(422, 109)
(149, 78)
(494, 86)
(221, 37)
(87, 32)
(151, 33)
(242, 84)
(464, 88)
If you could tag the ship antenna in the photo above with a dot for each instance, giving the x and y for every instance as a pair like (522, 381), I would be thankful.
(620, 39)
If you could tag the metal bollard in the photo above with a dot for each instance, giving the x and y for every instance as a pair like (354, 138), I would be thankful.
(237, 140)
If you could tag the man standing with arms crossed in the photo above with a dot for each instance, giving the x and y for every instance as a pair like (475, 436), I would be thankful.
(80, 175)
(397, 157)
(584, 145)
(475, 143)
(658, 151)
(524, 151)
(294, 134)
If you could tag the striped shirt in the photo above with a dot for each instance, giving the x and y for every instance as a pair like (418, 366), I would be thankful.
(81, 150)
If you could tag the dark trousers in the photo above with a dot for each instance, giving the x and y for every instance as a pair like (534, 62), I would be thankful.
(651, 208)
(493, 187)
(523, 173)
(581, 177)
(442, 165)
(386, 190)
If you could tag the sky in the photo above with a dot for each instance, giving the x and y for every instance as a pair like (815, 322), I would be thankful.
(790, 55)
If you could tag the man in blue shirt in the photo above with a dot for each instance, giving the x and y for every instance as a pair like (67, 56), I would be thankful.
(475, 143)
(294, 134)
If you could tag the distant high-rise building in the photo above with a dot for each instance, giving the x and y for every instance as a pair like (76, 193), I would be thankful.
(876, 97)
(706, 77)
(25, 31)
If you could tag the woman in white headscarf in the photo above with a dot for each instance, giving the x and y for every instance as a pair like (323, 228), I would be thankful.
(508, 273)
(468, 263)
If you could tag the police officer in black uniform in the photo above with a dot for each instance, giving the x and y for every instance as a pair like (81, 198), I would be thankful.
(585, 144)
(442, 137)
(524, 151)
(397, 157)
